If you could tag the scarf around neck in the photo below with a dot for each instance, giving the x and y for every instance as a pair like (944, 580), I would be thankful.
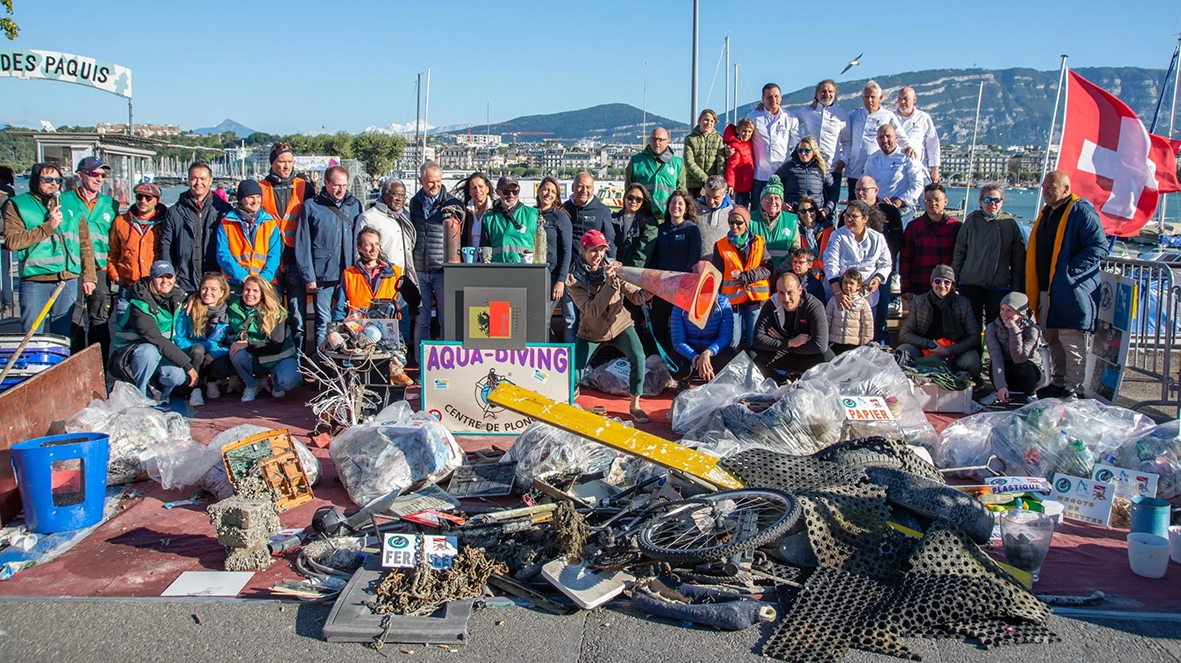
(594, 277)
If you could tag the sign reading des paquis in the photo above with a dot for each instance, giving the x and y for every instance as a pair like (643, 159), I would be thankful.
(67, 68)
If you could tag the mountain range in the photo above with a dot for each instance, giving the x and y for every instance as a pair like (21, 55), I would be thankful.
(1016, 107)
(240, 130)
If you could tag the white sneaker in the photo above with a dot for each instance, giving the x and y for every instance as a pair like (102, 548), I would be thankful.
(195, 398)
(278, 393)
(249, 393)
(211, 391)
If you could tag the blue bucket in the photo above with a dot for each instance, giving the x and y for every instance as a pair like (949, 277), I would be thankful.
(62, 480)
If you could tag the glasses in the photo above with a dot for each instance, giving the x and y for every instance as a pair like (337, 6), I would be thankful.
(804, 150)
(280, 146)
(100, 174)
(144, 196)
(659, 140)
(989, 200)
(399, 195)
(942, 281)
(738, 222)
(51, 180)
(867, 188)
(805, 210)
(634, 199)
(510, 192)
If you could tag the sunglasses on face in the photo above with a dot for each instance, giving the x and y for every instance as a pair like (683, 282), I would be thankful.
(804, 150)
(510, 192)
(989, 200)
(738, 222)
(144, 196)
(51, 180)
(634, 199)
(942, 281)
(98, 173)
(805, 210)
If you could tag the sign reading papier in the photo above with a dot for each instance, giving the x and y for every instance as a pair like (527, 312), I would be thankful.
(67, 68)
(456, 382)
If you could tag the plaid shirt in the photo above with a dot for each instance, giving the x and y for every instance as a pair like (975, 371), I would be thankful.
(926, 244)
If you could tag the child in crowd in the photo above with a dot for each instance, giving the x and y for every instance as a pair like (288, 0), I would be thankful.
(1014, 343)
(803, 263)
(740, 166)
(850, 327)
(202, 331)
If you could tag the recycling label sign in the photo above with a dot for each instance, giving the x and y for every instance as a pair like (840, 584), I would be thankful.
(401, 551)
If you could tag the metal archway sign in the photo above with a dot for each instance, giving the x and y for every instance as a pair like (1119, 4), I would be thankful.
(67, 68)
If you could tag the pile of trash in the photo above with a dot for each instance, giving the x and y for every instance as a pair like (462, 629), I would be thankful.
(612, 377)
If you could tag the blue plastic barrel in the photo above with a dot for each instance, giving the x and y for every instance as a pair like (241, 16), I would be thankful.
(62, 480)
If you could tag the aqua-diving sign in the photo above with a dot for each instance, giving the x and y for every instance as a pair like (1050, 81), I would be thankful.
(68, 68)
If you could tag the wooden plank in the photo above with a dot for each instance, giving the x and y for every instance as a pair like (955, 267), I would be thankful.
(614, 434)
(40, 406)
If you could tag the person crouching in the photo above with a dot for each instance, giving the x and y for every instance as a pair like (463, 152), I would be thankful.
(263, 345)
(941, 323)
(1014, 343)
(144, 349)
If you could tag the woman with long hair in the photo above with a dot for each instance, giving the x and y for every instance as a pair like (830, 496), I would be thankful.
(476, 193)
(556, 222)
(805, 175)
(203, 331)
(636, 227)
(678, 249)
(143, 349)
(263, 344)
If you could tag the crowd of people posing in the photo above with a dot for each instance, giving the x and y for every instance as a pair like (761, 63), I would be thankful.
(208, 290)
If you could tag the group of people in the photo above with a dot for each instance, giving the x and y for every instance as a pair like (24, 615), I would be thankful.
(206, 289)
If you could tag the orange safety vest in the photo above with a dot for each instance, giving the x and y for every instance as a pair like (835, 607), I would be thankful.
(759, 291)
(251, 254)
(289, 219)
(822, 244)
(358, 291)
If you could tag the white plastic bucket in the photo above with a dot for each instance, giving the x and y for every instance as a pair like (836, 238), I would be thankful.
(1148, 554)
(1175, 543)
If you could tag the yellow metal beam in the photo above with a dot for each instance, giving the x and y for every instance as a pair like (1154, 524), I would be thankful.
(614, 434)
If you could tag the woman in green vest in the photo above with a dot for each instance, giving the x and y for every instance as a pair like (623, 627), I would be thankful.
(263, 344)
(49, 248)
(509, 227)
(144, 349)
(776, 226)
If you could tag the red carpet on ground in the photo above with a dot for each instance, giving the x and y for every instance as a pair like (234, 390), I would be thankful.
(140, 551)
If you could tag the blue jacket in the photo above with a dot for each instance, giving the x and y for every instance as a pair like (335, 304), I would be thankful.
(689, 341)
(594, 215)
(678, 248)
(323, 240)
(1074, 285)
(225, 258)
(184, 337)
(558, 247)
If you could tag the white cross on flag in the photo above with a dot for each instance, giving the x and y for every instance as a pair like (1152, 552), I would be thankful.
(1111, 158)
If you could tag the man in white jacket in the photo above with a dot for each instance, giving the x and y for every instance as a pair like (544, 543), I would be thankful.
(920, 129)
(824, 120)
(900, 177)
(391, 219)
(859, 139)
(777, 131)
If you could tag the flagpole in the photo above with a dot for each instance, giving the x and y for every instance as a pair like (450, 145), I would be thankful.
(1160, 228)
(1050, 138)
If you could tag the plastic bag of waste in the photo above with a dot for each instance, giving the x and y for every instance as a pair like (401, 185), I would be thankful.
(798, 419)
(693, 409)
(542, 449)
(393, 453)
(870, 371)
(613, 377)
(965, 442)
(1157, 450)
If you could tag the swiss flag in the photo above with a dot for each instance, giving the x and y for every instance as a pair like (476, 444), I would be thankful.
(1111, 158)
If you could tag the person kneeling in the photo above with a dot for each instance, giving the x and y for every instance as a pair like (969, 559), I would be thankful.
(791, 333)
(598, 293)
(941, 323)
(263, 344)
(143, 348)
(704, 351)
(1014, 344)
(203, 330)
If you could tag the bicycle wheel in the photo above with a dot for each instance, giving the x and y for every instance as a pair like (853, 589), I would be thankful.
(718, 526)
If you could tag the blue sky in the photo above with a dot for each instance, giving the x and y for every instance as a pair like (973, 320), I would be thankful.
(294, 66)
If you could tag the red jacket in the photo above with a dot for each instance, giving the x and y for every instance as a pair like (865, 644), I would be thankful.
(740, 167)
(134, 247)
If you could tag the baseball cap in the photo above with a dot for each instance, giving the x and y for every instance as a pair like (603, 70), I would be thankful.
(592, 239)
(90, 163)
(161, 268)
(506, 180)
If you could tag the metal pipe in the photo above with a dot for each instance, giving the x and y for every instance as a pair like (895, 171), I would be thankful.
(1172, 118)
(727, 94)
(972, 147)
(426, 112)
(1050, 138)
(693, 111)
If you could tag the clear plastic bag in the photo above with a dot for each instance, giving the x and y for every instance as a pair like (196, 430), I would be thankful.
(798, 419)
(1157, 450)
(202, 466)
(542, 449)
(966, 442)
(614, 377)
(392, 454)
(693, 410)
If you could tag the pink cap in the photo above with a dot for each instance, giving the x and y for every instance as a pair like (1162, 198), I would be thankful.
(592, 239)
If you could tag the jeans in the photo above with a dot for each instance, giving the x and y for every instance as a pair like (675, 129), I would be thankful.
(286, 372)
(569, 318)
(431, 288)
(34, 295)
(146, 363)
(742, 199)
(297, 304)
(748, 313)
(628, 343)
(322, 303)
(881, 314)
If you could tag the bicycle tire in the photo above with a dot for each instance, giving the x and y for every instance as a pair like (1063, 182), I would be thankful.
(675, 539)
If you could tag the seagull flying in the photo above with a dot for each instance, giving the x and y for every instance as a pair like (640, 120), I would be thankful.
(852, 63)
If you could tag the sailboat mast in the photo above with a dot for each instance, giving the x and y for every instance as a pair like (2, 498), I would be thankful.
(727, 94)
(1050, 137)
(972, 148)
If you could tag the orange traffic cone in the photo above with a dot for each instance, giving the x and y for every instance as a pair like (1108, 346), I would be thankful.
(695, 291)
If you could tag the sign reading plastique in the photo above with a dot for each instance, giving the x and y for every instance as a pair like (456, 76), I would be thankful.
(67, 68)
(1018, 485)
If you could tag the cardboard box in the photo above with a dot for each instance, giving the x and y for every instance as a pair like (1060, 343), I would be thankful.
(933, 398)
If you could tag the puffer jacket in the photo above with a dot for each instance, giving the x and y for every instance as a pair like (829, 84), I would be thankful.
(1026, 345)
(851, 326)
(704, 156)
(134, 246)
(188, 237)
(740, 166)
(805, 179)
(603, 316)
(429, 226)
(922, 313)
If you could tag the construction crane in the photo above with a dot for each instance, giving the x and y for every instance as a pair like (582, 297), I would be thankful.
(526, 133)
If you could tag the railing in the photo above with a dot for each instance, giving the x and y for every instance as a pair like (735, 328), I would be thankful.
(1155, 333)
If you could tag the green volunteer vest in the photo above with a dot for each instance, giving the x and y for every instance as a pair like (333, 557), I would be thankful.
(659, 178)
(125, 335)
(504, 236)
(60, 252)
(98, 221)
(243, 319)
(780, 239)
